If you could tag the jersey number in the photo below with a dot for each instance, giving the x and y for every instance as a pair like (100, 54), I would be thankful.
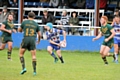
(29, 32)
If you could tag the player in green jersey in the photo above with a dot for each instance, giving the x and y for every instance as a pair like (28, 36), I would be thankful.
(7, 28)
(108, 32)
(31, 30)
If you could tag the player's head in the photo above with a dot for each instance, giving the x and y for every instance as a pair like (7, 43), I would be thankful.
(48, 26)
(117, 19)
(10, 17)
(103, 20)
(31, 15)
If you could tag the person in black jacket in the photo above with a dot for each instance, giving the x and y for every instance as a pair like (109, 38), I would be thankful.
(45, 19)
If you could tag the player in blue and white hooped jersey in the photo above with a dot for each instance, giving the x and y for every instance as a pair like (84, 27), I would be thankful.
(116, 25)
(54, 41)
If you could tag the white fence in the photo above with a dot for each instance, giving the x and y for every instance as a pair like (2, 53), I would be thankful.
(83, 26)
(90, 12)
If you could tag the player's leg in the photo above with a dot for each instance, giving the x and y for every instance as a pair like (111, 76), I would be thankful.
(59, 55)
(110, 45)
(22, 50)
(50, 51)
(21, 55)
(106, 52)
(2, 43)
(2, 46)
(42, 31)
(116, 49)
(102, 54)
(9, 50)
(33, 53)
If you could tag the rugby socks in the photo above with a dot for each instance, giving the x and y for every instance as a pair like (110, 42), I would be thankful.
(61, 59)
(53, 55)
(34, 65)
(9, 55)
(116, 56)
(22, 62)
(105, 60)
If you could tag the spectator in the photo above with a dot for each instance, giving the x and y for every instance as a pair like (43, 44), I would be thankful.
(64, 21)
(4, 14)
(63, 4)
(73, 21)
(45, 19)
(44, 3)
(116, 13)
(54, 3)
(13, 3)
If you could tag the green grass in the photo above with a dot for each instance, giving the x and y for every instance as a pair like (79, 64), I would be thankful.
(78, 66)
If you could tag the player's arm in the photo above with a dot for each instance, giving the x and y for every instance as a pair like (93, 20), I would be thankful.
(14, 30)
(39, 37)
(111, 36)
(2, 28)
(52, 42)
(63, 33)
(19, 29)
(113, 22)
(99, 35)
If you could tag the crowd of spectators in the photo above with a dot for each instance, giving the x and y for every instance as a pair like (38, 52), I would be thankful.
(69, 3)
(9, 3)
(4, 12)
(65, 21)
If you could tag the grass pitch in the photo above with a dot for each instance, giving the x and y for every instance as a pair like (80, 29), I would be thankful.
(77, 66)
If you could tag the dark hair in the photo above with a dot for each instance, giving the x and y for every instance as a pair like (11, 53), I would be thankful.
(9, 14)
(116, 10)
(117, 16)
(31, 15)
(74, 12)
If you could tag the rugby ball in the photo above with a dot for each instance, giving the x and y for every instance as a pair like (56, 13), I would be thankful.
(63, 44)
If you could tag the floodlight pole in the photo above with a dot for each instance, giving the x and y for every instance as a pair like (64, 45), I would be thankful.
(96, 19)
(20, 11)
